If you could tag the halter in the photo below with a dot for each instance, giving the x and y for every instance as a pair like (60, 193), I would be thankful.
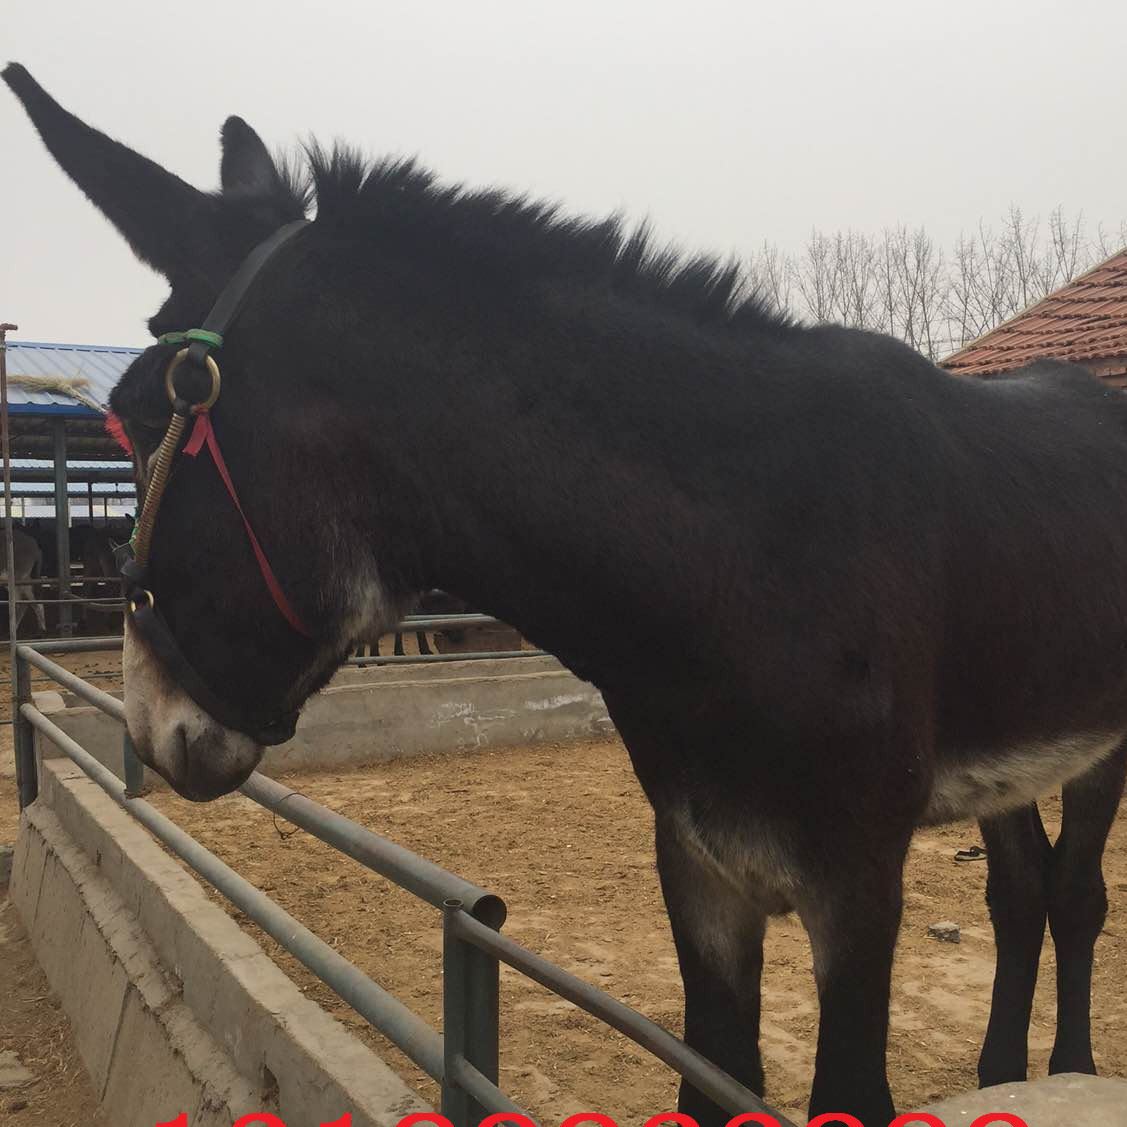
(133, 558)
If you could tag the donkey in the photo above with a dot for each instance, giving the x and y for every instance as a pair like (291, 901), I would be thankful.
(903, 595)
(97, 555)
(28, 559)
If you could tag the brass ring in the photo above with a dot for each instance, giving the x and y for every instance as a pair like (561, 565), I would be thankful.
(213, 371)
(133, 602)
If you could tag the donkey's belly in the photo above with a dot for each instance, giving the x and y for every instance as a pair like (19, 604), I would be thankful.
(977, 786)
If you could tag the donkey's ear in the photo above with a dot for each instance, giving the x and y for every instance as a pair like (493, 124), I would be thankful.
(247, 167)
(167, 222)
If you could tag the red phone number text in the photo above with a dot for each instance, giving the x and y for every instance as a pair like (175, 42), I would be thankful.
(507, 1119)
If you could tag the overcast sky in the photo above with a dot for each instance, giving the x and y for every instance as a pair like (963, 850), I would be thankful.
(725, 123)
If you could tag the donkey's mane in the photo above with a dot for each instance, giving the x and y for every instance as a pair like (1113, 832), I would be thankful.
(511, 239)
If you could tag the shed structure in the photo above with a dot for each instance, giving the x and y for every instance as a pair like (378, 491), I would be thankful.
(60, 455)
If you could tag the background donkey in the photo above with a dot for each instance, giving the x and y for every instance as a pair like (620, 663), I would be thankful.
(28, 564)
(903, 596)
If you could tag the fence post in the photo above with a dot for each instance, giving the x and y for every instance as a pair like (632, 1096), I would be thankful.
(23, 735)
(62, 528)
(132, 767)
(470, 987)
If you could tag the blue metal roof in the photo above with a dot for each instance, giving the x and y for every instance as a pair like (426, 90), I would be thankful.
(101, 365)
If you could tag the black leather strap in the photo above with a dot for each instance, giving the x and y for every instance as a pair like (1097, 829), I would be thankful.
(150, 625)
(228, 305)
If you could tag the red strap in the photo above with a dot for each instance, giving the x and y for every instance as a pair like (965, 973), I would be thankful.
(203, 433)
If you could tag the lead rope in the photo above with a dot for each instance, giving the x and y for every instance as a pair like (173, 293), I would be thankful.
(141, 540)
(142, 537)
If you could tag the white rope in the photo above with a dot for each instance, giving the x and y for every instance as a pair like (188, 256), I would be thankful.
(70, 386)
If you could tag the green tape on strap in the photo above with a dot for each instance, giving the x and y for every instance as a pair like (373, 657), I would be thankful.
(214, 339)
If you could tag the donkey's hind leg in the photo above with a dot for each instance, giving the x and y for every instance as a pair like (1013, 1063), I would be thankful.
(1018, 853)
(718, 931)
(1078, 904)
(37, 610)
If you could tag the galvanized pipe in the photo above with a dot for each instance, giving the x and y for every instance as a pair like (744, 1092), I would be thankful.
(62, 517)
(476, 655)
(27, 783)
(444, 622)
(106, 643)
(8, 682)
(418, 876)
(382, 1010)
(75, 581)
(714, 1082)
(457, 1104)
(131, 767)
(5, 440)
(483, 1091)
(70, 601)
(23, 737)
(470, 1021)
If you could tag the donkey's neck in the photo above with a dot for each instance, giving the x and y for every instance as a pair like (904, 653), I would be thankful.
(554, 469)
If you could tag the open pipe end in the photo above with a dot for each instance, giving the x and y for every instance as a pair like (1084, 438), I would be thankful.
(489, 910)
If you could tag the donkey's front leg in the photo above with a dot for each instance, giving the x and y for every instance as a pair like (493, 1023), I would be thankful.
(851, 910)
(718, 932)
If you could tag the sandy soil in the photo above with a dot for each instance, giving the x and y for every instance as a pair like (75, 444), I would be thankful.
(565, 836)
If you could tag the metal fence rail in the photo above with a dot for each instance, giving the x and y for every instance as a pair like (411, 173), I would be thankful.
(412, 624)
(104, 603)
(385, 1012)
(473, 655)
(419, 623)
(464, 1058)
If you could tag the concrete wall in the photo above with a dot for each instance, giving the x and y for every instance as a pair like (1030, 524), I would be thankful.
(1054, 1101)
(386, 712)
(174, 1007)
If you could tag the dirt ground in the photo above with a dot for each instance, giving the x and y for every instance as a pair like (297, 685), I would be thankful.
(564, 834)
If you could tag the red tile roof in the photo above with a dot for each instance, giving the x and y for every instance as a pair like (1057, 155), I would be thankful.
(1084, 321)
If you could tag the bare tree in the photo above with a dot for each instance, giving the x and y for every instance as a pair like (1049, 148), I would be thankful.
(770, 275)
(901, 282)
(922, 287)
(858, 291)
(1110, 242)
(1069, 252)
(816, 278)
